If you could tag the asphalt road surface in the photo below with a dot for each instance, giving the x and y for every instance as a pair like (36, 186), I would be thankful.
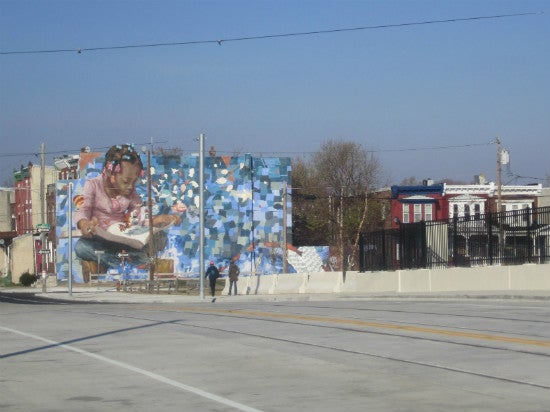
(345, 355)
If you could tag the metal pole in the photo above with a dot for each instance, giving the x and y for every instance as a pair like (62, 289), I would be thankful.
(285, 257)
(70, 201)
(253, 252)
(42, 186)
(150, 215)
(42, 216)
(201, 213)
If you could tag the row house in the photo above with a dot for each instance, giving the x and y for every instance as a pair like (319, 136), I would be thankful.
(469, 231)
(410, 204)
(441, 201)
(32, 250)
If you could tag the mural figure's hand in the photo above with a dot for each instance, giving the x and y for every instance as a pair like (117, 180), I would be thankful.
(87, 227)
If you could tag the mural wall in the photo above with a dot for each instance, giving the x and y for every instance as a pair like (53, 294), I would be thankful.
(243, 204)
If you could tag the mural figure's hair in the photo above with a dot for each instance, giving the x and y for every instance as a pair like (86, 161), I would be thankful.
(118, 154)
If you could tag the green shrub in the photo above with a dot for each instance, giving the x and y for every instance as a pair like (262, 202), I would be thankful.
(27, 279)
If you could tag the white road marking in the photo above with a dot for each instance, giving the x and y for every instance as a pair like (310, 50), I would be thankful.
(152, 375)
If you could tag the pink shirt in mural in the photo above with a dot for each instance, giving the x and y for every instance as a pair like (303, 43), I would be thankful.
(96, 203)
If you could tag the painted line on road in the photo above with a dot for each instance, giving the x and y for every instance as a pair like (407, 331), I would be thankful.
(152, 375)
(393, 326)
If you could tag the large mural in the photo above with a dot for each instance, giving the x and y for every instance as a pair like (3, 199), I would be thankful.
(243, 203)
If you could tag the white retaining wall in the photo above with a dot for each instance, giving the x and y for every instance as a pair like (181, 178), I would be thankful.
(486, 278)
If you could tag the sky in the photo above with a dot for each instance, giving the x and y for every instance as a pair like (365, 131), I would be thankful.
(429, 100)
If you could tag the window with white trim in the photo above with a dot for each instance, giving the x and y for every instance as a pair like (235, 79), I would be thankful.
(417, 213)
(428, 212)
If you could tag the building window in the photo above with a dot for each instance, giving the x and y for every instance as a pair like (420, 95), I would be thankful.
(405, 213)
(455, 210)
(477, 211)
(467, 212)
(428, 212)
(417, 213)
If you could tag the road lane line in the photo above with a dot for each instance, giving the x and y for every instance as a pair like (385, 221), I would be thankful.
(152, 375)
(363, 323)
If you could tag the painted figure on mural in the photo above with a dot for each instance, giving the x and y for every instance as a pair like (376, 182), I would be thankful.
(111, 216)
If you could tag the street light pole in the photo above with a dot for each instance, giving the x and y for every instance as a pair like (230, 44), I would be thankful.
(70, 225)
(150, 216)
(201, 214)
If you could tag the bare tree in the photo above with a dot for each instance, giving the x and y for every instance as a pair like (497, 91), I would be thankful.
(332, 200)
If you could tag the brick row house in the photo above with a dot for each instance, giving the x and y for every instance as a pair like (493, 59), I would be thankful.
(458, 225)
(410, 204)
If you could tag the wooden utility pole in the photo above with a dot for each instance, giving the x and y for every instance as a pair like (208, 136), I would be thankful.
(499, 176)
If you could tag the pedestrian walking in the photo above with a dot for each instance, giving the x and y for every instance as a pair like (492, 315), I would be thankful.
(212, 273)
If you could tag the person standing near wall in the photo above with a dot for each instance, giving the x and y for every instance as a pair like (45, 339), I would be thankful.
(234, 272)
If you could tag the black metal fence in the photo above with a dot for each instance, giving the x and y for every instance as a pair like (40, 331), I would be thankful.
(505, 238)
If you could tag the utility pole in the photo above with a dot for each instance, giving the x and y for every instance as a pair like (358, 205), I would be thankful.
(499, 176)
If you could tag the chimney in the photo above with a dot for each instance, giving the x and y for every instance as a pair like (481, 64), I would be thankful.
(480, 179)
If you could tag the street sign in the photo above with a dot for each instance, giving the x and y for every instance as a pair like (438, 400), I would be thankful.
(44, 251)
(43, 227)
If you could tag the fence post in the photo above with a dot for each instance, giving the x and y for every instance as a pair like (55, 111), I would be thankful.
(453, 239)
(423, 246)
(490, 236)
(530, 244)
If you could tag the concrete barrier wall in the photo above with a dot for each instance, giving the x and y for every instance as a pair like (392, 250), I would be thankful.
(322, 282)
(522, 277)
(477, 278)
(291, 283)
(414, 280)
(261, 285)
(376, 282)
(529, 277)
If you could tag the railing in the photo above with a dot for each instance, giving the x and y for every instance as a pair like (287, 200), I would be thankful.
(505, 238)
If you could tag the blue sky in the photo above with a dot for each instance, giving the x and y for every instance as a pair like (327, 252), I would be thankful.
(398, 91)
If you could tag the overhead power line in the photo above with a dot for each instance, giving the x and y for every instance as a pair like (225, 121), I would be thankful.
(269, 36)
(221, 150)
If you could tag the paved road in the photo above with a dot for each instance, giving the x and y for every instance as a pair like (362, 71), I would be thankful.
(287, 355)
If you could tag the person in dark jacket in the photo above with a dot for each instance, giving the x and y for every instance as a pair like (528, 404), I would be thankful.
(212, 273)
(233, 277)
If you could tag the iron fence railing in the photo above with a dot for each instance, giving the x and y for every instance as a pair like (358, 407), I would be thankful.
(504, 238)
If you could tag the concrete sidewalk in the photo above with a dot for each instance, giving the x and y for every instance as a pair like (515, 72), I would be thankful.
(109, 294)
